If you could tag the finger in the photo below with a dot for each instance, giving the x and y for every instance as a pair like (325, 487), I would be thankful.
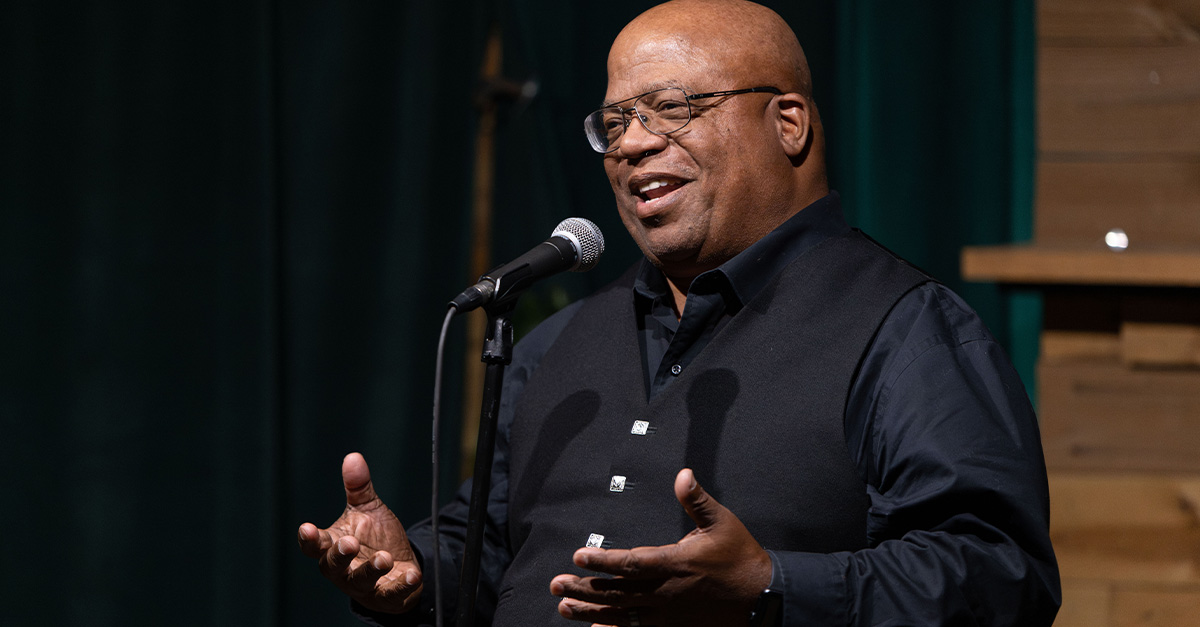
(336, 562)
(641, 562)
(603, 615)
(396, 583)
(356, 477)
(366, 576)
(313, 541)
(703, 509)
(617, 592)
(406, 581)
(559, 583)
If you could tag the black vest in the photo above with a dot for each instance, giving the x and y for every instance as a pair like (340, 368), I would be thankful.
(758, 415)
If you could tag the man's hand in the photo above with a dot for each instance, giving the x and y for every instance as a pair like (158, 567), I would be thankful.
(713, 576)
(365, 552)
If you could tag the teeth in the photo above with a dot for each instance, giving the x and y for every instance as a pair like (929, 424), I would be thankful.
(652, 185)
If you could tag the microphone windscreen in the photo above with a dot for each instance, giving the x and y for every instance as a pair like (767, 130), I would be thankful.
(587, 238)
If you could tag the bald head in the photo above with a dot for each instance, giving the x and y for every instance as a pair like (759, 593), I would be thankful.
(741, 41)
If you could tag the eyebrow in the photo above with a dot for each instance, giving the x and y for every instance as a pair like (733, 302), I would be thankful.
(649, 88)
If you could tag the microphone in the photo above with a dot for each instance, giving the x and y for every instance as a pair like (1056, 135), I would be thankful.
(576, 245)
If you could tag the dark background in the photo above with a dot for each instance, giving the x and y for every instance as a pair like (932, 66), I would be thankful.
(228, 231)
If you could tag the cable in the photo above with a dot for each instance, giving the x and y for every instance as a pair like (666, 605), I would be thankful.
(437, 418)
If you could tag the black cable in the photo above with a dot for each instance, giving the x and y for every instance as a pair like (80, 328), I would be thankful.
(437, 413)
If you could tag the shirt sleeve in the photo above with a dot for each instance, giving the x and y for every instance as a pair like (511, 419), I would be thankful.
(940, 428)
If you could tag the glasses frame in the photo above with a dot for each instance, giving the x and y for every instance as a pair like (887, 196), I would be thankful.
(687, 99)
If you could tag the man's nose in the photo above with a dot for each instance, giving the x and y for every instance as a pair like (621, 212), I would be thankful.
(637, 140)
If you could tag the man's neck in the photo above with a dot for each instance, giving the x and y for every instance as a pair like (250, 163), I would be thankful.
(679, 291)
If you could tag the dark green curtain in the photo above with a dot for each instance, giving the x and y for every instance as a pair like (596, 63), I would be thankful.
(227, 232)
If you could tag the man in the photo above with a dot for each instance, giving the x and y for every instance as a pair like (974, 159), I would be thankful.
(845, 443)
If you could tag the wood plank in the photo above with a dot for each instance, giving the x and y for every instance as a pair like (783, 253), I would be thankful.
(1079, 345)
(1156, 607)
(1126, 529)
(1120, 101)
(1111, 23)
(1129, 555)
(1160, 345)
(1085, 604)
(1153, 202)
(1098, 500)
(1106, 416)
(1093, 265)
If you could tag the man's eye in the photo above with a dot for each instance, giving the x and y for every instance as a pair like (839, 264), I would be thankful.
(615, 122)
(672, 109)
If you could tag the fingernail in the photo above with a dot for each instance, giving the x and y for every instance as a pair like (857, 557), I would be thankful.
(410, 578)
(342, 550)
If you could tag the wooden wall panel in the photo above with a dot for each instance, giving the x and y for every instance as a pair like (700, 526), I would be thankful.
(1085, 604)
(1106, 416)
(1168, 607)
(1122, 101)
(1119, 387)
(1160, 345)
(1126, 528)
(1115, 23)
(1079, 345)
(1156, 202)
(1128, 554)
(1124, 500)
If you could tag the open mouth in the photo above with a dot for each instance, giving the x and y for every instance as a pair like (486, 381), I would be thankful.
(652, 190)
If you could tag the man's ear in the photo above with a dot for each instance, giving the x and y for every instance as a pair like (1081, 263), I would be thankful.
(795, 125)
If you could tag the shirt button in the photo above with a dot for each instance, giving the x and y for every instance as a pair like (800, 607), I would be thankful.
(676, 369)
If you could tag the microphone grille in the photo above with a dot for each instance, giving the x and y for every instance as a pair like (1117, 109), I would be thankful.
(587, 237)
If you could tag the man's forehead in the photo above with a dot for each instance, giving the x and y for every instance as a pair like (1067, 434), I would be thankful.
(650, 60)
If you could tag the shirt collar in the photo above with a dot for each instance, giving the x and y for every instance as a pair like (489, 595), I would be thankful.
(750, 270)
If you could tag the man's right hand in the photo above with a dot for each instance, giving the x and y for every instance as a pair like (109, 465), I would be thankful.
(365, 552)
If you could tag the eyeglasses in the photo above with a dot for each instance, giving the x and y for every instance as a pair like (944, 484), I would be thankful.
(662, 112)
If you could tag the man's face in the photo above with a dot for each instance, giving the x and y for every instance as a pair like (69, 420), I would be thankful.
(695, 198)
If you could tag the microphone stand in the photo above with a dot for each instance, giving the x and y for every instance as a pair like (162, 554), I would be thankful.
(497, 353)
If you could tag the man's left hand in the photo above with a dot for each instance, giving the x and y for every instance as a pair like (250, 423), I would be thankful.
(713, 576)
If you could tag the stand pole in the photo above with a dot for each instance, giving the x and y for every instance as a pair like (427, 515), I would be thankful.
(497, 353)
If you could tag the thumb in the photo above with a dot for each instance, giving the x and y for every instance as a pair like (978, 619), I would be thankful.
(357, 479)
(703, 509)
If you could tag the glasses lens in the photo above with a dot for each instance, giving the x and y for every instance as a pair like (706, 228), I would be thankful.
(604, 127)
(664, 111)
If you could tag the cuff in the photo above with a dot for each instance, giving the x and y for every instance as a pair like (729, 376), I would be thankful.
(814, 587)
